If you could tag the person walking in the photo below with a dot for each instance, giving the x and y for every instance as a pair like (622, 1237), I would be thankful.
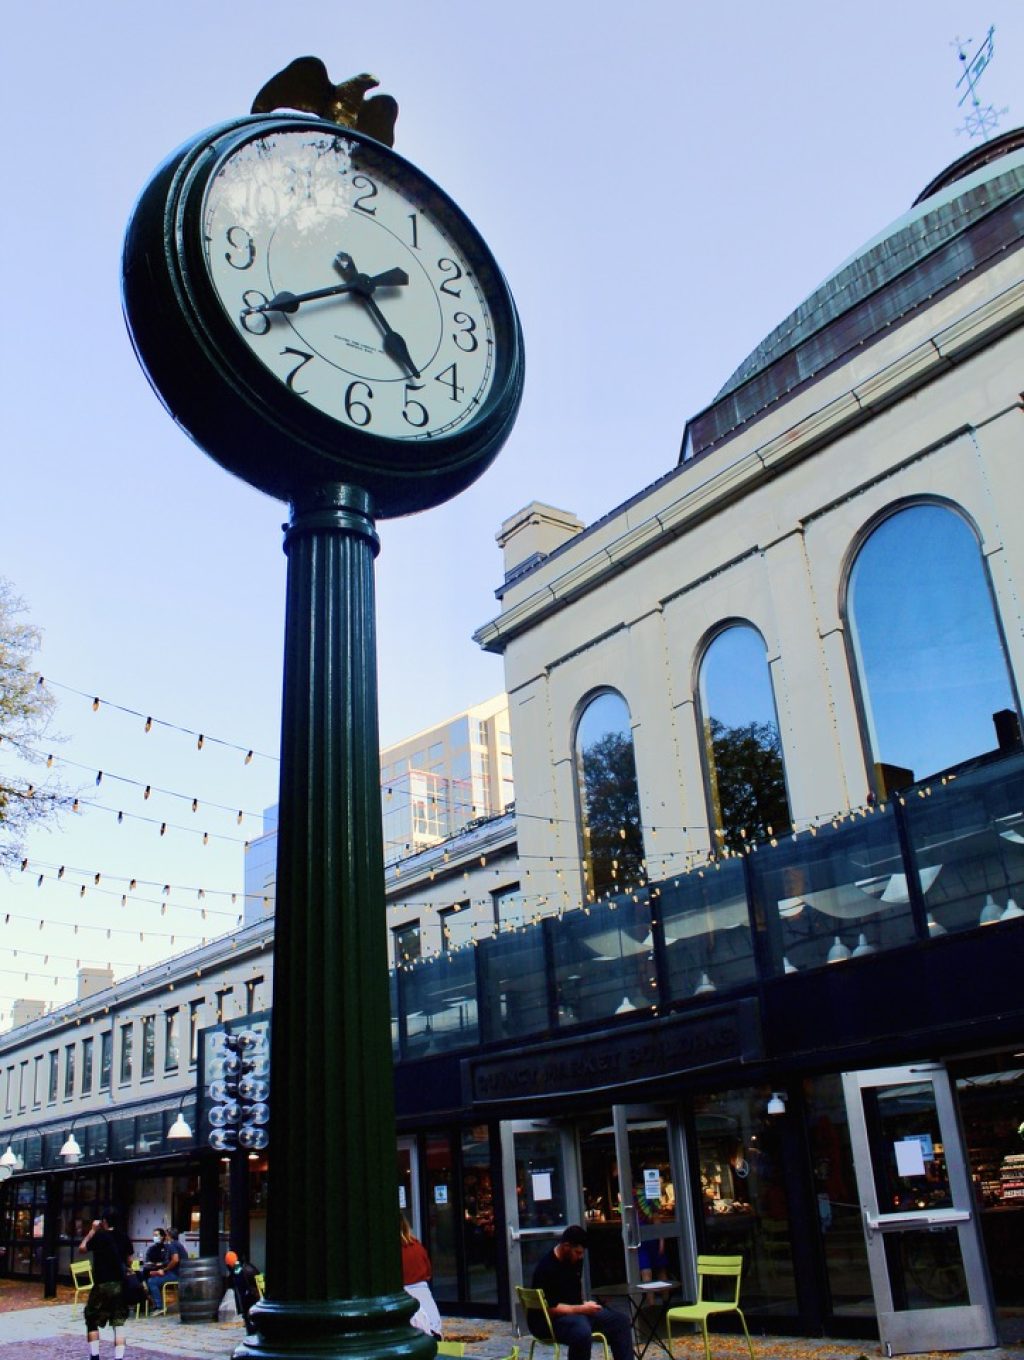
(416, 1275)
(107, 1305)
(574, 1319)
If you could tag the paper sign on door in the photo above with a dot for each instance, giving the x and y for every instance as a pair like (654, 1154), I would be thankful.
(909, 1157)
(541, 1182)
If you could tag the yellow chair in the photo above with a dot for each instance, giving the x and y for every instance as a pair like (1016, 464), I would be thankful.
(261, 1284)
(533, 1300)
(451, 1348)
(712, 1267)
(81, 1278)
(167, 1286)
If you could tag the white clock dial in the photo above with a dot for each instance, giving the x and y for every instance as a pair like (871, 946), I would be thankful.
(400, 343)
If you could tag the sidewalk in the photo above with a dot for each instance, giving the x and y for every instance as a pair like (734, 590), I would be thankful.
(51, 1331)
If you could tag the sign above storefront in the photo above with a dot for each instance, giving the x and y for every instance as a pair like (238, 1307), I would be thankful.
(616, 1059)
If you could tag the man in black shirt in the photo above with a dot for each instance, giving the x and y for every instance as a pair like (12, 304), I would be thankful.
(106, 1305)
(573, 1319)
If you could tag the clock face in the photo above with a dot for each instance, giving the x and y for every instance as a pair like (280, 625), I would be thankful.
(353, 281)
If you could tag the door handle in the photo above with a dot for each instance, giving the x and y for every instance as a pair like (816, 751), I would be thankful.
(514, 1234)
(940, 1218)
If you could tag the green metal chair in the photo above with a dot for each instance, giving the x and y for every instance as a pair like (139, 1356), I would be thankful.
(712, 1267)
(533, 1300)
(451, 1348)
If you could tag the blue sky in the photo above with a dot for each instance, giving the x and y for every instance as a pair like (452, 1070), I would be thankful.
(661, 185)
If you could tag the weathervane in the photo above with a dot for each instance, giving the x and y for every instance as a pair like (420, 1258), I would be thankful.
(980, 120)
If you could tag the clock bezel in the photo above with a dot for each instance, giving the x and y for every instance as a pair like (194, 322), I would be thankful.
(237, 409)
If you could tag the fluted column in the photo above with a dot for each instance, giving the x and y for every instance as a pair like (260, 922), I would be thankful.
(333, 1259)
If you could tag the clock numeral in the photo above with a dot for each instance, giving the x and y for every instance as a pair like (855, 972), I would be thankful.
(464, 337)
(364, 182)
(256, 323)
(303, 357)
(449, 377)
(414, 222)
(242, 248)
(447, 266)
(414, 412)
(358, 411)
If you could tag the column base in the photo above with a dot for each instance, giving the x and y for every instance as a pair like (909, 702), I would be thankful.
(351, 1329)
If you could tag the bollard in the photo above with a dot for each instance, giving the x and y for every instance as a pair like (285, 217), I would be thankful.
(49, 1277)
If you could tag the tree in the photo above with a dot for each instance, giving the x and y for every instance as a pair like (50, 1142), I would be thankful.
(748, 783)
(26, 707)
(612, 835)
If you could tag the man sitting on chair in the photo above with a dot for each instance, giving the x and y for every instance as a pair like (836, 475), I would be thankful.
(169, 1270)
(573, 1319)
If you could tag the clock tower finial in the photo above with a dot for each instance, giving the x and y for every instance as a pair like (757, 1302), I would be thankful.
(305, 85)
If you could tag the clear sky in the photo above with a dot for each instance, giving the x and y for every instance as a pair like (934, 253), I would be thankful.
(661, 184)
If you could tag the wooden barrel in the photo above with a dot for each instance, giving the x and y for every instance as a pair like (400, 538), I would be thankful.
(201, 1285)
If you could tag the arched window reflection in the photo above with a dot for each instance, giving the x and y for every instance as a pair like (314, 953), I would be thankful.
(742, 747)
(933, 675)
(613, 844)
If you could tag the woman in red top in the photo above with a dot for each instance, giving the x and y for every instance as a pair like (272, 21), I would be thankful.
(416, 1273)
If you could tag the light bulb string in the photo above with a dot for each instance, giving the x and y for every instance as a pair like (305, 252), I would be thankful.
(91, 881)
(202, 738)
(100, 775)
(79, 805)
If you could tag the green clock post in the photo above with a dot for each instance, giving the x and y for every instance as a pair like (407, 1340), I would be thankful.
(326, 323)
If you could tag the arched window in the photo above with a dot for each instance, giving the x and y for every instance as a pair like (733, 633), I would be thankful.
(929, 656)
(612, 838)
(742, 747)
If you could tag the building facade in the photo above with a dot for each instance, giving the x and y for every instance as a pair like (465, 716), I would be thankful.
(742, 974)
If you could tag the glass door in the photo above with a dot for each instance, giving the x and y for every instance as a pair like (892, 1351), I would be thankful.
(408, 1183)
(542, 1190)
(657, 1225)
(924, 1250)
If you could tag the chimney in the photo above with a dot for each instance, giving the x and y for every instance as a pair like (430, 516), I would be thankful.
(26, 1009)
(533, 533)
(93, 980)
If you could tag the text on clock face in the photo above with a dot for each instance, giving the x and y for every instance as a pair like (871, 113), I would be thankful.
(350, 288)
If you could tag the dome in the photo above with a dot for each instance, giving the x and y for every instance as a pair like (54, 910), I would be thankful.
(916, 256)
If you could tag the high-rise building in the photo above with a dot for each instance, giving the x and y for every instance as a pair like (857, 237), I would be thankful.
(432, 785)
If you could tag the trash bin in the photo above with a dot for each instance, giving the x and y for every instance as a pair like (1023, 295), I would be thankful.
(201, 1286)
(49, 1277)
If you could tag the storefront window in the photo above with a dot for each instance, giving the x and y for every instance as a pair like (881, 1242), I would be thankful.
(990, 1092)
(604, 961)
(612, 837)
(513, 985)
(968, 840)
(441, 1220)
(837, 895)
(742, 746)
(480, 1243)
(439, 1003)
(745, 1209)
(706, 923)
(929, 656)
(835, 1184)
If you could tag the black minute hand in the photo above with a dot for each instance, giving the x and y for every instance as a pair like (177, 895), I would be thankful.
(363, 286)
(289, 302)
